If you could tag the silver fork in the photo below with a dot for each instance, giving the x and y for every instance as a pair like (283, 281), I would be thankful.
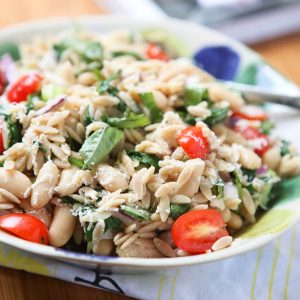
(258, 94)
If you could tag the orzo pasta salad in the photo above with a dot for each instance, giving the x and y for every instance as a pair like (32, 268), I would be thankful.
(112, 145)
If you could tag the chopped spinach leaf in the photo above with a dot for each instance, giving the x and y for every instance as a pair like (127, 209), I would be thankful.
(106, 87)
(14, 130)
(237, 182)
(195, 95)
(155, 112)
(87, 118)
(250, 174)
(10, 48)
(144, 159)
(68, 200)
(176, 210)
(266, 126)
(218, 115)
(135, 212)
(284, 148)
(113, 223)
(220, 188)
(97, 146)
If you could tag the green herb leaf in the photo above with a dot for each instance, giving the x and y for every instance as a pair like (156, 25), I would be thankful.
(237, 182)
(249, 173)
(144, 159)
(176, 210)
(97, 146)
(218, 115)
(220, 188)
(106, 87)
(88, 230)
(266, 127)
(129, 120)
(93, 51)
(30, 103)
(87, 118)
(113, 223)
(186, 117)
(155, 112)
(136, 212)
(50, 91)
(40, 146)
(68, 200)
(127, 53)
(11, 49)
(195, 95)
(284, 148)
(76, 162)
(94, 67)
(14, 130)
(263, 196)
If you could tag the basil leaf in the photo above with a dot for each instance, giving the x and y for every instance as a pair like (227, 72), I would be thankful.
(195, 95)
(113, 223)
(129, 120)
(11, 49)
(266, 127)
(14, 130)
(87, 118)
(218, 115)
(155, 112)
(176, 210)
(145, 159)
(128, 53)
(76, 162)
(284, 148)
(136, 212)
(106, 87)
(97, 146)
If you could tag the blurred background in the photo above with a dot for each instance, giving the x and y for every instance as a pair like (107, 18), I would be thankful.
(271, 27)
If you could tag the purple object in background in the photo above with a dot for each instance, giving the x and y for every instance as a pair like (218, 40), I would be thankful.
(220, 61)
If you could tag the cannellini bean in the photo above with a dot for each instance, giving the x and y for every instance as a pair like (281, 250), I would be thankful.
(62, 226)
(272, 158)
(235, 222)
(15, 182)
(249, 159)
(104, 247)
(43, 188)
(69, 181)
(110, 178)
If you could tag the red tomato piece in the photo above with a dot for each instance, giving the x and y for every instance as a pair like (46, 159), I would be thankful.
(25, 86)
(26, 227)
(196, 231)
(2, 82)
(155, 51)
(261, 144)
(194, 143)
(247, 132)
(252, 113)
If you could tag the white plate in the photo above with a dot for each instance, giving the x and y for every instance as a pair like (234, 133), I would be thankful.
(189, 38)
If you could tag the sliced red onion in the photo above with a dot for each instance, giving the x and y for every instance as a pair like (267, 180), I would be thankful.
(123, 218)
(261, 170)
(8, 67)
(50, 106)
(230, 191)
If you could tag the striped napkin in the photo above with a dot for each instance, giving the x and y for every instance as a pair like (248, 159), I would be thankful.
(270, 272)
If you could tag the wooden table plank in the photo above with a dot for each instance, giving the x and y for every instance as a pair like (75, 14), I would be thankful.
(282, 53)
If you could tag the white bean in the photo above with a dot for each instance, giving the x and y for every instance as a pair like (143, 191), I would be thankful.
(14, 182)
(272, 158)
(69, 181)
(62, 226)
(249, 159)
(110, 178)
(43, 188)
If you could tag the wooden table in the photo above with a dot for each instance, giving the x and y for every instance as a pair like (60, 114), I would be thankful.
(282, 53)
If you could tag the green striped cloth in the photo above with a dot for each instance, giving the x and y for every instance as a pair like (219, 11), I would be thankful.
(270, 272)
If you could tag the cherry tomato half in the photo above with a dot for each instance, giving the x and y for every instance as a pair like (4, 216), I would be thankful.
(155, 51)
(26, 227)
(194, 143)
(196, 231)
(25, 86)
(259, 141)
(252, 113)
